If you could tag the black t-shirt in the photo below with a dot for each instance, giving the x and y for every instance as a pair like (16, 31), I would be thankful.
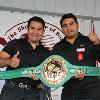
(82, 53)
(28, 56)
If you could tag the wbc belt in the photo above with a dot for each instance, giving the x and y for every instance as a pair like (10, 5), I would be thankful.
(54, 71)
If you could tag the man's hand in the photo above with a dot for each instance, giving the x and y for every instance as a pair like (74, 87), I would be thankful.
(41, 86)
(33, 75)
(94, 38)
(14, 61)
(80, 75)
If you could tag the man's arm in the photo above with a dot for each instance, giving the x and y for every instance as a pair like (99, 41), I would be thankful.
(7, 60)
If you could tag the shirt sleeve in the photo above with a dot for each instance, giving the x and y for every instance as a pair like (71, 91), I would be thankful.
(10, 48)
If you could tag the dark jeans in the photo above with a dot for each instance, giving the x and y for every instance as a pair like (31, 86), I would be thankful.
(10, 92)
(90, 94)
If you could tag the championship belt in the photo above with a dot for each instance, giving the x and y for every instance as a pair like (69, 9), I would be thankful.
(53, 72)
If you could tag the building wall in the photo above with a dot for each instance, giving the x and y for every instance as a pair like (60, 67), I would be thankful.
(78, 7)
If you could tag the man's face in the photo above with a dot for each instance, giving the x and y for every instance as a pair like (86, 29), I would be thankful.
(35, 31)
(70, 28)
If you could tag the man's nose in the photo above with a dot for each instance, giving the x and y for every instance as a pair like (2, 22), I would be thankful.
(35, 31)
(68, 26)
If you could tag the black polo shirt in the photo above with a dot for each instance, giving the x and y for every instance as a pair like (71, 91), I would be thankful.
(28, 56)
(82, 52)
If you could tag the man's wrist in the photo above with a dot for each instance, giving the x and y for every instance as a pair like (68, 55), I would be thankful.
(8, 62)
(97, 42)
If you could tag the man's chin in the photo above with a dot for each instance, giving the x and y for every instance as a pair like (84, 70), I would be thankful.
(35, 41)
(70, 37)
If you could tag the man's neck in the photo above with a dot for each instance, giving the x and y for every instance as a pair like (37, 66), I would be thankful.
(71, 39)
(34, 44)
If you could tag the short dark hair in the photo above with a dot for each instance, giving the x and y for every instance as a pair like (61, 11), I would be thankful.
(36, 18)
(69, 15)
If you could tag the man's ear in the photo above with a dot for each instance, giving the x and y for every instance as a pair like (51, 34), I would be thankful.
(44, 30)
(78, 26)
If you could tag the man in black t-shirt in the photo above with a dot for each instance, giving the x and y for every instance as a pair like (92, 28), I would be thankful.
(82, 51)
(21, 53)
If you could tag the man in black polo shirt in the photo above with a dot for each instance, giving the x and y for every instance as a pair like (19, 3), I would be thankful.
(79, 50)
(21, 53)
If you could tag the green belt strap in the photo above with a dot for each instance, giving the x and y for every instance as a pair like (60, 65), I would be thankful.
(54, 71)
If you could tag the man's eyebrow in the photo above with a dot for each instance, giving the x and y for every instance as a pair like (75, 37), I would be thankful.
(64, 24)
